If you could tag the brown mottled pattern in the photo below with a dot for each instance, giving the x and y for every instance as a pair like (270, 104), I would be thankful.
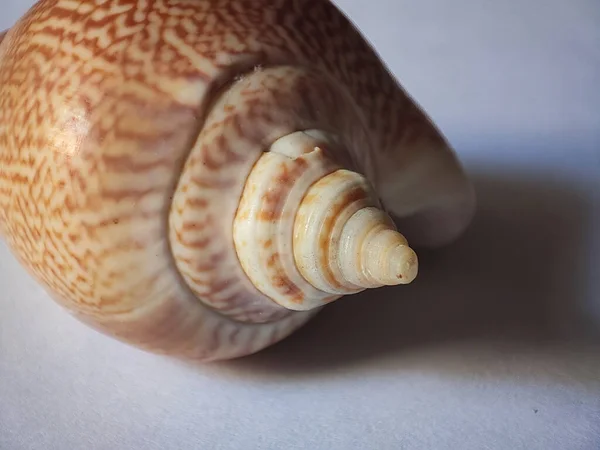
(264, 222)
(271, 210)
(101, 103)
(329, 240)
(318, 229)
(258, 109)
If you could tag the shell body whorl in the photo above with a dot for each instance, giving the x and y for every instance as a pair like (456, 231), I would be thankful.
(128, 133)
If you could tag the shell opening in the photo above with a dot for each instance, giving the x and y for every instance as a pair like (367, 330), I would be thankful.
(308, 231)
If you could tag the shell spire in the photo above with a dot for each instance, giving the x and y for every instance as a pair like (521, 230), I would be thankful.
(368, 253)
(309, 231)
(344, 241)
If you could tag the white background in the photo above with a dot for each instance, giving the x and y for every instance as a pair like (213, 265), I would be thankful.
(492, 348)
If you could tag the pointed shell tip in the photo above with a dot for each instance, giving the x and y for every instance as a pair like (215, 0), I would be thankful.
(406, 262)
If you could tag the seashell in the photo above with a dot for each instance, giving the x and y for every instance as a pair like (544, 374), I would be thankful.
(200, 178)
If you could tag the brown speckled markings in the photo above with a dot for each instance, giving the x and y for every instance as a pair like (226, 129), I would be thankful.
(239, 128)
(116, 113)
(264, 225)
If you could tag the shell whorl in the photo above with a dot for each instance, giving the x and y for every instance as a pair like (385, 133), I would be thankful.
(248, 118)
(127, 136)
(308, 231)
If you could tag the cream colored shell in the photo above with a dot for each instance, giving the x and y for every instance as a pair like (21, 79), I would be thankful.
(129, 132)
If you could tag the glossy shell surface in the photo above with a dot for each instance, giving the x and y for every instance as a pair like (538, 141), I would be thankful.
(128, 129)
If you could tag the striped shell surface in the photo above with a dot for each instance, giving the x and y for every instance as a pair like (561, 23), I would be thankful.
(128, 129)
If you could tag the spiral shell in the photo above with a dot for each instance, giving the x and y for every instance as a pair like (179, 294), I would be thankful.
(129, 132)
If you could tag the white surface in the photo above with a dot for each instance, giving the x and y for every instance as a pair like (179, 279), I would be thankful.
(485, 351)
